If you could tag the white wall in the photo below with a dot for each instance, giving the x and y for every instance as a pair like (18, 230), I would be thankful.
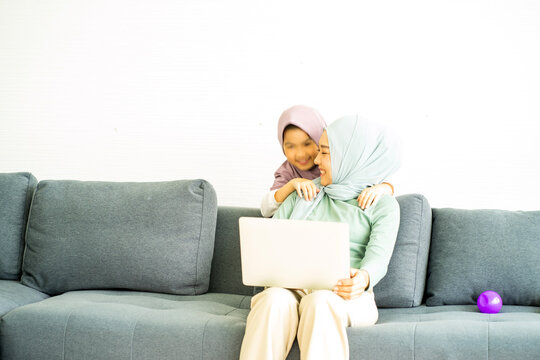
(156, 90)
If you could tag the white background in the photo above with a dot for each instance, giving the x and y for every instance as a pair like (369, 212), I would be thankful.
(158, 90)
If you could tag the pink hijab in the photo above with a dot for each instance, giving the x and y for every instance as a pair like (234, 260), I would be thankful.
(310, 121)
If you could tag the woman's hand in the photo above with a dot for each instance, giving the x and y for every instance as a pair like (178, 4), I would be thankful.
(305, 188)
(369, 196)
(353, 287)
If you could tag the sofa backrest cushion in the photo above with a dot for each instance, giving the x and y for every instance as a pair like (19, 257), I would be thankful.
(403, 285)
(226, 265)
(477, 250)
(156, 237)
(16, 191)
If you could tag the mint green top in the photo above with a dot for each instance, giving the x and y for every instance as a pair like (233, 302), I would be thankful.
(362, 153)
(372, 231)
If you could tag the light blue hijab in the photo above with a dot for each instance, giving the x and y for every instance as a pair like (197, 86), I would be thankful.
(362, 154)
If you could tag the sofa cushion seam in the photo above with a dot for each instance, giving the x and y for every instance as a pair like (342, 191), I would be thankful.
(26, 231)
(24, 228)
(418, 252)
(24, 225)
(203, 336)
(199, 244)
(65, 331)
(414, 341)
(488, 323)
(242, 301)
(132, 337)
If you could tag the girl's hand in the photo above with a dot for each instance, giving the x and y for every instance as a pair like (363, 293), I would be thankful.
(353, 287)
(369, 196)
(301, 186)
(305, 188)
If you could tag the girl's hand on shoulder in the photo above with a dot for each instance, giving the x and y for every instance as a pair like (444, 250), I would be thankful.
(353, 287)
(369, 196)
(305, 188)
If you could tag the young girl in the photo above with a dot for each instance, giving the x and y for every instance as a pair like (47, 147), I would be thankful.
(299, 130)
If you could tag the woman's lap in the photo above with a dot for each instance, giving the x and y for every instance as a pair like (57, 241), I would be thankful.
(361, 311)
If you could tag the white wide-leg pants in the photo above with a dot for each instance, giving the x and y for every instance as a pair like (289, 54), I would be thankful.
(319, 320)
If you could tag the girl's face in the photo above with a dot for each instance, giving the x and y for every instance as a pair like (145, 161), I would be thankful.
(323, 160)
(299, 148)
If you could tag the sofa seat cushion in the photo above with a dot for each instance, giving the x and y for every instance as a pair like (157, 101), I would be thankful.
(451, 331)
(13, 295)
(127, 325)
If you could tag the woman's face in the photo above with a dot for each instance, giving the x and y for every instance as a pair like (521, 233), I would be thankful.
(323, 160)
(299, 148)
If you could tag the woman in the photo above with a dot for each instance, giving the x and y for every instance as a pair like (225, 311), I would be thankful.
(354, 154)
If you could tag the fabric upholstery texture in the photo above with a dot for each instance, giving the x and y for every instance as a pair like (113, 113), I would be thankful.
(13, 295)
(126, 325)
(226, 265)
(403, 285)
(449, 332)
(16, 191)
(146, 250)
(477, 250)
(101, 235)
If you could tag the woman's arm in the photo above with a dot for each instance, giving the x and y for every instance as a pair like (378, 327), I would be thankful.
(384, 229)
(365, 274)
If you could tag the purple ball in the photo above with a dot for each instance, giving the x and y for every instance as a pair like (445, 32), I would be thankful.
(489, 302)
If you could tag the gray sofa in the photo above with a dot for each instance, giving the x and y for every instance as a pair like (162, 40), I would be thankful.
(96, 270)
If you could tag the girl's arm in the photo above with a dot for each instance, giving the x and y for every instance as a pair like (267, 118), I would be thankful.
(273, 199)
(301, 186)
(269, 205)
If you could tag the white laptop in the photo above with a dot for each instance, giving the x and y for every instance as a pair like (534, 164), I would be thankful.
(293, 254)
